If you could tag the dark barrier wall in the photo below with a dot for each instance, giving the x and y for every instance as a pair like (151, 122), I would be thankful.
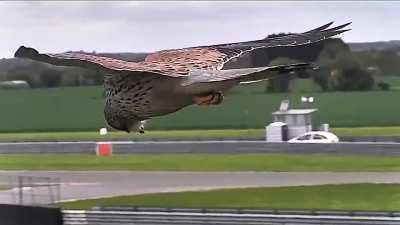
(196, 147)
(29, 215)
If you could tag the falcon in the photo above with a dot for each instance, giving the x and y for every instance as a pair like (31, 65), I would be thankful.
(169, 80)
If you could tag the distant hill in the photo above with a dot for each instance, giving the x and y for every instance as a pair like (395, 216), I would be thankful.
(378, 45)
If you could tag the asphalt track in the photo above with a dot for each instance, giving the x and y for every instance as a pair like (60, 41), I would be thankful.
(84, 185)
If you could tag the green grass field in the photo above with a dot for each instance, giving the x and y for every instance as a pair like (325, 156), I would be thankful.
(81, 109)
(394, 81)
(382, 197)
(200, 162)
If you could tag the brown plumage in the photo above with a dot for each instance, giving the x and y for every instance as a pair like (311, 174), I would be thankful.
(169, 80)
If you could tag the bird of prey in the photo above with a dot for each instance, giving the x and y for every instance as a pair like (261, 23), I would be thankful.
(169, 80)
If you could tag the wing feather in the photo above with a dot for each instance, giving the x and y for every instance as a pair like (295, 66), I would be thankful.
(244, 75)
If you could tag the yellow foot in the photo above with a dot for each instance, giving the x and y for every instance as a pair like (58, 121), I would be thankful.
(211, 99)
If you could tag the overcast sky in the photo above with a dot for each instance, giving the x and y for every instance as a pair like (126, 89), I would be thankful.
(149, 26)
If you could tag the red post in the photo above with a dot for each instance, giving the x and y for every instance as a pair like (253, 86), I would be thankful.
(103, 149)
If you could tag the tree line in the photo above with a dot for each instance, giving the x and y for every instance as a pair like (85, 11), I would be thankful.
(340, 69)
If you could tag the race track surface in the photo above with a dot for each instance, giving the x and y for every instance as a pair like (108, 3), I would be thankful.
(84, 185)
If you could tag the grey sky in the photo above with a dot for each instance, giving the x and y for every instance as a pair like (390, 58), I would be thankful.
(149, 26)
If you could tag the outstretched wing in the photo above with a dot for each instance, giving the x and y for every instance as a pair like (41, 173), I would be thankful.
(180, 62)
(215, 56)
(109, 65)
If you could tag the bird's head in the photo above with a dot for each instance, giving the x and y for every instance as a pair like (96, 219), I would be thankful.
(125, 124)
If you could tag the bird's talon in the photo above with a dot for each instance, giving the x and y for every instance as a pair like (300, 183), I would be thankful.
(211, 99)
(141, 127)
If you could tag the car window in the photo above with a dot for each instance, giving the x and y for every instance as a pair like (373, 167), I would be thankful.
(305, 137)
(319, 137)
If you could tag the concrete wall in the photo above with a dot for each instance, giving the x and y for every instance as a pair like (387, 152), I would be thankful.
(29, 215)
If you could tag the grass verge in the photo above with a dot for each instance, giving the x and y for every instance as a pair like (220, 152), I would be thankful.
(149, 135)
(367, 131)
(181, 134)
(383, 197)
(200, 162)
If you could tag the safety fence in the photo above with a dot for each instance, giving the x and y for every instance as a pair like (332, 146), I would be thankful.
(29, 190)
(120, 216)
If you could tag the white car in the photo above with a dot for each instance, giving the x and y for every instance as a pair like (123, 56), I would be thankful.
(315, 137)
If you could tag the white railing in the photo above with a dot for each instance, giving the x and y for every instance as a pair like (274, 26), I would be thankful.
(226, 217)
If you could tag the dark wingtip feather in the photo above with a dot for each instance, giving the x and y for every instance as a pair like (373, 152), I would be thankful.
(338, 27)
(344, 25)
(24, 52)
(342, 31)
(323, 27)
(20, 51)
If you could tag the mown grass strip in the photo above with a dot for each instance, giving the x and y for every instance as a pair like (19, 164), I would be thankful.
(181, 134)
(200, 162)
(367, 131)
(149, 135)
(382, 197)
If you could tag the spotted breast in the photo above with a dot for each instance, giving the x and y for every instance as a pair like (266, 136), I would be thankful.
(141, 97)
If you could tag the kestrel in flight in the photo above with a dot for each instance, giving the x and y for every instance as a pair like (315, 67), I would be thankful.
(169, 80)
